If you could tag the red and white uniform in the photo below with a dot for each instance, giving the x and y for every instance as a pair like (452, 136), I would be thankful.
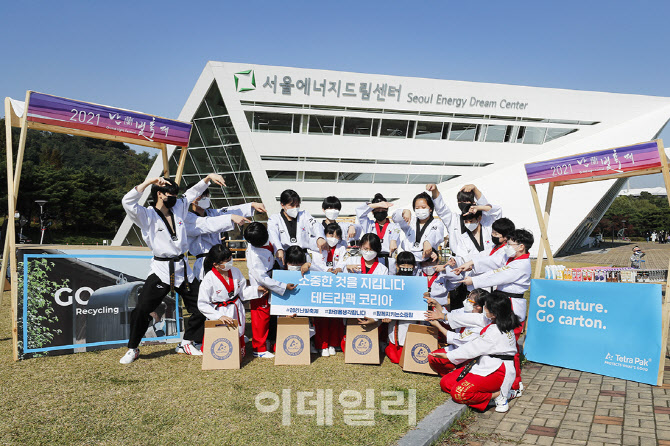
(259, 263)
(386, 231)
(513, 278)
(330, 258)
(205, 232)
(433, 234)
(472, 324)
(460, 239)
(494, 260)
(488, 373)
(221, 296)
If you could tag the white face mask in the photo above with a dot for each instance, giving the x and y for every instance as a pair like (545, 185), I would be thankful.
(204, 202)
(468, 306)
(510, 251)
(472, 226)
(293, 267)
(429, 270)
(228, 265)
(368, 255)
(422, 214)
(331, 214)
(293, 213)
(332, 241)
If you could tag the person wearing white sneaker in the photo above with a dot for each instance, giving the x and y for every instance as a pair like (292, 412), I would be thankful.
(222, 291)
(164, 231)
(188, 348)
(265, 355)
(488, 359)
(131, 355)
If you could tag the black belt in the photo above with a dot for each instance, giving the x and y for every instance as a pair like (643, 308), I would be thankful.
(512, 295)
(226, 303)
(200, 256)
(471, 364)
(172, 260)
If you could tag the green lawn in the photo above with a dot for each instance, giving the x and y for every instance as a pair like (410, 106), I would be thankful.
(165, 398)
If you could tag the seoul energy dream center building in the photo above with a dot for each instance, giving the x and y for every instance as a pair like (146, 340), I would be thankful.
(321, 133)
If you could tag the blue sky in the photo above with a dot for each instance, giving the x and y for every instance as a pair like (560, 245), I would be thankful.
(147, 55)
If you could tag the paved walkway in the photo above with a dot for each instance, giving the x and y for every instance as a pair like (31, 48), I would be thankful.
(618, 254)
(567, 407)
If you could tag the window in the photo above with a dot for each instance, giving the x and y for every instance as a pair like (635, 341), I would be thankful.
(207, 131)
(272, 122)
(357, 126)
(321, 125)
(497, 133)
(311, 176)
(534, 135)
(428, 130)
(247, 184)
(392, 128)
(282, 175)
(215, 101)
(390, 178)
(355, 177)
(423, 179)
(462, 132)
(201, 161)
(557, 133)
(237, 159)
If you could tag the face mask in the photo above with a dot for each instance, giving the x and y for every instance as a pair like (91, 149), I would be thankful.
(429, 270)
(228, 265)
(380, 215)
(422, 214)
(465, 207)
(403, 271)
(368, 255)
(204, 203)
(332, 241)
(495, 240)
(468, 306)
(510, 250)
(293, 213)
(472, 226)
(331, 214)
(293, 268)
(170, 201)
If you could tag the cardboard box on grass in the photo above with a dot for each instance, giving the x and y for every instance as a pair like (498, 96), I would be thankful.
(362, 344)
(221, 346)
(420, 340)
(293, 341)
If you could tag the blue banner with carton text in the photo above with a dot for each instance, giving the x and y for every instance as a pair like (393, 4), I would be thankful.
(612, 329)
(351, 295)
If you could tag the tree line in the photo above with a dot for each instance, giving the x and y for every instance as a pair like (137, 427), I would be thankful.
(82, 178)
(637, 215)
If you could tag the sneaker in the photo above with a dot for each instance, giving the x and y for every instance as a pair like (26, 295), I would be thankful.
(501, 403)
(188, 348)
(325, 352)
(266, 355)
(331, 350)
(131, 355)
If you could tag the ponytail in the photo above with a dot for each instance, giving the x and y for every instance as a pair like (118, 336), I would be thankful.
(217, 254)
(500, 306)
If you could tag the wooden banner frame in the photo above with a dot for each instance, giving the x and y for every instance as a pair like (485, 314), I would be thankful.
(543, 222)
(14, 179)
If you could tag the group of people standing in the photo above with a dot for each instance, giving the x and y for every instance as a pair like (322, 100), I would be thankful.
(475, 299)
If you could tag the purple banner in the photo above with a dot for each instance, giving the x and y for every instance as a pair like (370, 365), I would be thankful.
(70, 114)
(620, 160)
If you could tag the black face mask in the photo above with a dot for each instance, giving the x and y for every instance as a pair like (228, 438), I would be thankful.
(170, 201)
(405, 271)
(495, 240)
(464, 207)
(380, 215)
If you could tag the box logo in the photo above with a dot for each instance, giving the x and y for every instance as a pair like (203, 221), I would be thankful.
(362, 344)
(420, 353)
(293, 345)
(221, 349)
